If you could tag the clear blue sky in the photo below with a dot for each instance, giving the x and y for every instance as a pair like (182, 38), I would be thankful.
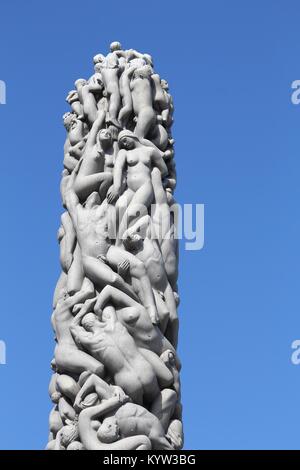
(230, 65)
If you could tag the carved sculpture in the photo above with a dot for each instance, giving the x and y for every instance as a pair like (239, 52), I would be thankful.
(115, 382)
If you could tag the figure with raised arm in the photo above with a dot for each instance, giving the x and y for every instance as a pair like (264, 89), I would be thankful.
(110, 71)
(136, 161)
(94, 172)
(135, 318)
(120, 422)
(109, 341)
(68, 358)
(99, 256)
(86, 93)
(137, 418)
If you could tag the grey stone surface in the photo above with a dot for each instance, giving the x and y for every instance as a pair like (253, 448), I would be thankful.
(115, 382)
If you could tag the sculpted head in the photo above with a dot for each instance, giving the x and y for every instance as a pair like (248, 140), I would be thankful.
(108, 432)
(105, 137)
(133, 242)
(76, 445)
(164, 84)
(55, 397)
(115, 46)
(93, 200)
(68, 119)
(53, 365)
(148, 59)
(80, 82)
(98, 59)
(88, 322)
(69, 434)
(127, 140)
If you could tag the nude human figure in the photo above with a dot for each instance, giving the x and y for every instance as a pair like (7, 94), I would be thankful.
(109, 67)
(67, 240)
(135, 318)
(66, 435)
(95, 169)
(163, 225)
(162, 99)
(125, 91)
(99, 256)
(68, 357)
(75, 274)
(147, 250)
(109, 341)
(94, 384)
(137, 161)
(75, 141)
(55, 421)
(162, 410)
(86, 92)
(142, 99)
(89, 424)
(130, 420)
(73, 100)
(60, 289)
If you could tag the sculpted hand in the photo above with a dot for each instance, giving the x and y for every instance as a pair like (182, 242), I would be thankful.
(120, 394)
(123, 268)
(77, 404)
(77, 308)
(112, 195)
(102, 258)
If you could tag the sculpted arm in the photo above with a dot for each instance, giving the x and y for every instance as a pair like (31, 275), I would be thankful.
(115, 191)
(158, 161)
(143, 226)
(97, 125)
(70, 235)
(95, 412)
(112, 295)
(71, 199)
(104, 391)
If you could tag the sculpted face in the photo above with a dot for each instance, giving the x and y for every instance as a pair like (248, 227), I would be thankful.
(80, 82)
(98, 59)
(115, 46)
(127, 143)
(105, 136)
(108, 431)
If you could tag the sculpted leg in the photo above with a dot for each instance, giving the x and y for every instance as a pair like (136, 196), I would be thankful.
(137, 208)
(173, 325)
(101, 275)
(145, 121)
(86, 185)
(117, 256)
(163, 374)
(74, 361)
(164, 405)
(75, 274)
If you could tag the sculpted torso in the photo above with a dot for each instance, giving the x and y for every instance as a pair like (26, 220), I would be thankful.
(61, 321)
(138, 166)
(140, 327)
(151, 256)
(92, 162)
(92, 231)
(141, 93)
